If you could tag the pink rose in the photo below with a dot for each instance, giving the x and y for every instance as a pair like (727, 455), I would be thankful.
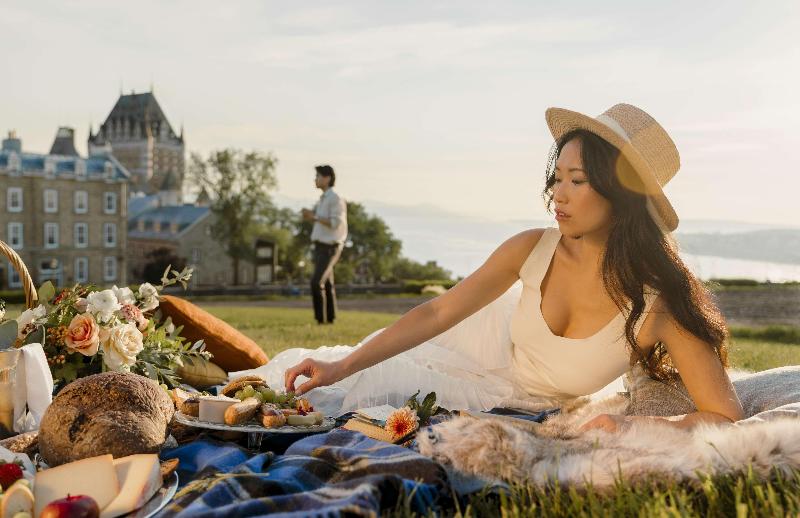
(83, 335)
(133, 314)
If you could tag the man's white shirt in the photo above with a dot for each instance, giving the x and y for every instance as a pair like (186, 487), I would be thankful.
(331, 207)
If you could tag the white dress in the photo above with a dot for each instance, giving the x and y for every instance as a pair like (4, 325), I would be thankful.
(475, 364)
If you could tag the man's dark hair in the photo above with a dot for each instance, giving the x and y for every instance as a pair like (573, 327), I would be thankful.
(326, 170)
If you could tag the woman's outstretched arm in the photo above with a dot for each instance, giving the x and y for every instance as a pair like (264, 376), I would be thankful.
(427, 320)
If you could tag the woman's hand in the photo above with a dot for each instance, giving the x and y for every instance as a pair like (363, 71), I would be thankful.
(319, 373)
(607, 422)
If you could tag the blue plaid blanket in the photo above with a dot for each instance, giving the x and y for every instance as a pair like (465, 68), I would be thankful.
(333, 474)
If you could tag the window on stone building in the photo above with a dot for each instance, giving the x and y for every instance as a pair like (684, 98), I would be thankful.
(50, 201)
(110, 202)
(14, 163)
(49, 167)
(81, 269)
(80, 168)
(14, 199)
(51, 235)
(81, 235)
(109, 268)
(15, 237)
(109, 235)
(81, 202)
(108, 170)
(196, 256)
(13, 277)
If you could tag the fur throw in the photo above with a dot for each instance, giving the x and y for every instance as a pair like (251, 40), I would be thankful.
(553, 450)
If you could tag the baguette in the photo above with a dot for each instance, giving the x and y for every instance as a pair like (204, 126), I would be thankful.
(242, 412)
(241, 382)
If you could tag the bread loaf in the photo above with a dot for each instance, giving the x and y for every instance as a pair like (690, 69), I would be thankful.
(113, 412)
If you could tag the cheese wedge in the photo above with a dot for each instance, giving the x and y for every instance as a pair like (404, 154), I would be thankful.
(95, 477)
(18, 499)
(139, 478)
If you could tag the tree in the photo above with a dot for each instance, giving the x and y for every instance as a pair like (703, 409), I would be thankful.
(406, 269)
(239, 185)
(372, 248)
(157, 262)
(292, 236)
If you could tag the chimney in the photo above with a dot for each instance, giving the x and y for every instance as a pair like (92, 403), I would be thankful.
(12, 143)
(64, 144)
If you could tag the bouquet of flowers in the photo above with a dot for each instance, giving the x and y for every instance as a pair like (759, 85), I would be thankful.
(84, 331)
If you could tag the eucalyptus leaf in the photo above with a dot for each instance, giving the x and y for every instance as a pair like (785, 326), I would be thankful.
(152, 373)
(36, 336)
(8, 333)
(46, 292)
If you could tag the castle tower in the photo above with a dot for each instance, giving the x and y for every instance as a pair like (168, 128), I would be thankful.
(142, 139)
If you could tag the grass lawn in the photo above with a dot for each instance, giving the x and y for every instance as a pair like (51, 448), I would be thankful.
(276, 329)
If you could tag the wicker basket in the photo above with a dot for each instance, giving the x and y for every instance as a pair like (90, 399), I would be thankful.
(31, 297)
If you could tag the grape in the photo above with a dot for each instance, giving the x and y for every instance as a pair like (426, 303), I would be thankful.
(239, 395)
(260, 397)
(269, 396)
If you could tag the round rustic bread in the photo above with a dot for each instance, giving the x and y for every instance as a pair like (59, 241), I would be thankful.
(113, 412)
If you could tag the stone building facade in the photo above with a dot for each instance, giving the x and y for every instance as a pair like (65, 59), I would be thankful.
(185, 231)
(139, 135)
(66, 216)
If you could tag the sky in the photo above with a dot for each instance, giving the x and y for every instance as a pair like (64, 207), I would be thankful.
(428, 103)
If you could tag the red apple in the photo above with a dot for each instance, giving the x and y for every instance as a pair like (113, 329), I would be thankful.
(78, 506)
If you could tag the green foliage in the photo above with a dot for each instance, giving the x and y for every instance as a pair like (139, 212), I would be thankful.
(779, 334)
(240, 186)
(372, 254)
(292, 236)
(46, 292)
(12, 296)
(8, 333)
(405, 269)
(734, 282)
(425, 409)
(374, 249)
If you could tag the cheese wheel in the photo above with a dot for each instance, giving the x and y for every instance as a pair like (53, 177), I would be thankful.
(95, 477)
(310, 419)
(139, 479)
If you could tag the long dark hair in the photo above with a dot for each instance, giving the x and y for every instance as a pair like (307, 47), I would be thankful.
(639, 255)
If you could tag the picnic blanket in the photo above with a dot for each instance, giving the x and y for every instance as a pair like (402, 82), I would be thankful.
(326, 475)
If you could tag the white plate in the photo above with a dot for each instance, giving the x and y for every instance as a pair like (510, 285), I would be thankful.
(328, 424)
(158, 500)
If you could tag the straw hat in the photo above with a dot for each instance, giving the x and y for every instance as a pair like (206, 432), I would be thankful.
(641, 140)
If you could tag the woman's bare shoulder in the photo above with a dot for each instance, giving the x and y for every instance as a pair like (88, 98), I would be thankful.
(516, 249)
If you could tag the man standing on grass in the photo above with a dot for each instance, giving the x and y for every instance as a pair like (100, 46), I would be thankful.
(327, 237)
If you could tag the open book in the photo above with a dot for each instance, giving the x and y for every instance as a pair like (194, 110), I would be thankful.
(371, 422)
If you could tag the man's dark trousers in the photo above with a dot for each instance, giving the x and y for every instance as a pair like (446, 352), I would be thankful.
(323, 291)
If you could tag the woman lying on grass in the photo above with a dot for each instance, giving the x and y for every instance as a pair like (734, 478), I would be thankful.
(603, 291)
